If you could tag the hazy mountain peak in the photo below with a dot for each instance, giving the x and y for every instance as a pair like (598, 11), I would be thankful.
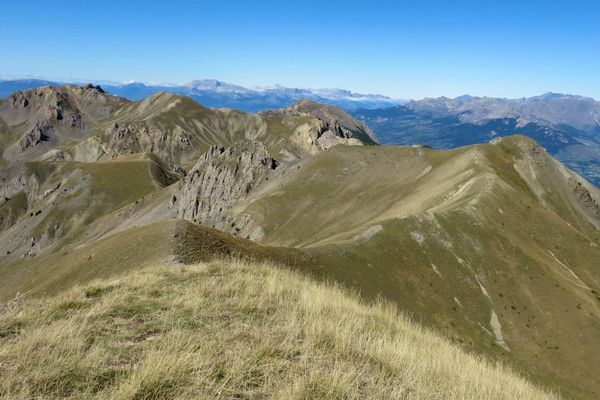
(552, 95)
(464, 97)
(549, 96)
(214, 85)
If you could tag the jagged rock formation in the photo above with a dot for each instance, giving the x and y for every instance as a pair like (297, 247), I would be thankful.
(220, 180)
(47, 117)
(336, 123)
(71, 104)
(536, 165)
(585, 197)
(138, 137)
(318, 135)
(41, 132)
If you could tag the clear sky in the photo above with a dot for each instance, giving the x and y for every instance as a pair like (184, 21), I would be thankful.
(409, 49)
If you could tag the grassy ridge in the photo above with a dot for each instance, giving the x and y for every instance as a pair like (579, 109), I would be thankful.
(231, 330)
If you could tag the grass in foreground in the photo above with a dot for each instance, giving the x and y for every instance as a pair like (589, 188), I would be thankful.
(232, 330)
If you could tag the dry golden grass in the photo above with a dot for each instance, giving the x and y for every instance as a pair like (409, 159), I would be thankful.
(232, 330)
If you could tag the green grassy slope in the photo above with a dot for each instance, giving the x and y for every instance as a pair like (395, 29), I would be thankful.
(502, 261)
(231, 330)
(132, 249)
(499, 260)
(175, 117)
(65, 198)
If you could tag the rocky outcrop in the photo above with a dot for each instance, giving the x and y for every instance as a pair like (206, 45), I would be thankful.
(91, 86)
(18, 181)
(41, 132)
(135, 137)
(318, 135)
(20, 188)
(125, 138)
(336, 122)
(56, 106)
(18, 100)
(221, 179)
(71, 107)
(585, 198)
(62, 110)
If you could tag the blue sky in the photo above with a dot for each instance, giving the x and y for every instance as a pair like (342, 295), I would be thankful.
(402, 49)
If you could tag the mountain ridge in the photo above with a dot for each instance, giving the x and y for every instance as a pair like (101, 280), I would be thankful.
(493, 245)
(567, 125)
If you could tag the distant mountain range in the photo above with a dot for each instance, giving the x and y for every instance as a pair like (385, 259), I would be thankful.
(217, 94)
(567, 126)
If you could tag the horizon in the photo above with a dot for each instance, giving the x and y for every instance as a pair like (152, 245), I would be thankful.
(109, 82)
(398, 50)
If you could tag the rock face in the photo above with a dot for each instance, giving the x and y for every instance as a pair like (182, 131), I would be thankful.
(45, 118)
(126, 139)
(336, 123)
(585, 197)
(220, 180)
(65, 105)
(11, 209)
(18, 100)
(41, 132)
(318, 135)
(136, 137)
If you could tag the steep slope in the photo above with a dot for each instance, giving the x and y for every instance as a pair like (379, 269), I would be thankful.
(220, 180)
(379, 183)
(132, 249)
(496, 245)
(179, 129)
(52, 203)
(231, 330)
(45, 118)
